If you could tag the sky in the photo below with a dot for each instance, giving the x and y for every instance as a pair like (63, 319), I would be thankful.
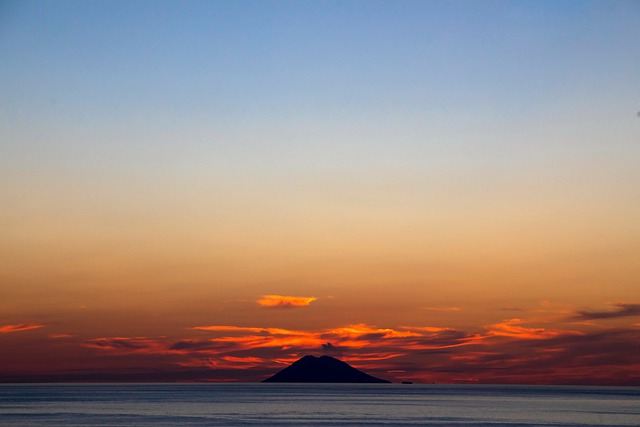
(432, 191)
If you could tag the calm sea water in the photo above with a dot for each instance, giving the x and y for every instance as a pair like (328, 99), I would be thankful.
(314, 404)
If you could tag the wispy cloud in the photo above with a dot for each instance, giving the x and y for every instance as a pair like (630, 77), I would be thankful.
(7, 329)
(127, 345)
(512, 351)
(228, 328)
(60, 336)
(513, 328)
(282, 301)
(442, 308)
(228, 340)
(622, 310)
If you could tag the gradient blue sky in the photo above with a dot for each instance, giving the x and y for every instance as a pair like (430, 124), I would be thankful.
(164, 165)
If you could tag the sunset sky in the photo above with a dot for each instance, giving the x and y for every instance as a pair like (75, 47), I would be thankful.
(434, 191)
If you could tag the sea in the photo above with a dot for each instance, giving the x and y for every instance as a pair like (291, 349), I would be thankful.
(234, 404)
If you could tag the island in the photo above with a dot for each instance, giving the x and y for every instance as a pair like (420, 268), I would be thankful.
(324, 369)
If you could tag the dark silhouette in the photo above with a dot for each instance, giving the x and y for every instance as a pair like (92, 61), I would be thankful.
(325, 369)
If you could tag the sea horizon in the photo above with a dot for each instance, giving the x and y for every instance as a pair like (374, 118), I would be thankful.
(328, 384)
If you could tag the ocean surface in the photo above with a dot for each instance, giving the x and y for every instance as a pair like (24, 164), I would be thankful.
(206, 404)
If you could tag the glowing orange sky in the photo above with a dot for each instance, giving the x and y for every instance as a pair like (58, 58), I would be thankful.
(544, 345)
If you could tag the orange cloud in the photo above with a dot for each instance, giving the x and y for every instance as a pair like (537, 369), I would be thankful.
(427, 328)
(129, 345)
(361, 341)
(247, 359)
(218, 328)
(281, 301)
(6, 329)
(511, 351)
(362, 330)
(510, 328)
(226, 362)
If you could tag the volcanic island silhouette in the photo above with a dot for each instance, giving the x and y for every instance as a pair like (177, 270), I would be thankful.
(324, 369)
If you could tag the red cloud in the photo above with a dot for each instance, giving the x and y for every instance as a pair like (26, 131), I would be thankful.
(281, 301)
(60, 336)
(6, 329)
(127, 345)
(511, 328)
(224, 328)
(512, 351)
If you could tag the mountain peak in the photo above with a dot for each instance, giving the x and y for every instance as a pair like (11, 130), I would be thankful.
(324, 369)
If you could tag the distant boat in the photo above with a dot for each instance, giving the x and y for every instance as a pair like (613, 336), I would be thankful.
(407, 382)
(325, 369)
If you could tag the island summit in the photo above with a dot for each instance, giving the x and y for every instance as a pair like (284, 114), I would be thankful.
(324, 369)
